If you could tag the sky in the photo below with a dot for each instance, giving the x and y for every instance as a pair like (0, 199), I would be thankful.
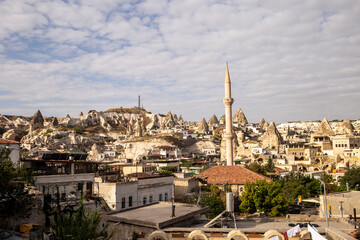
(288, 59)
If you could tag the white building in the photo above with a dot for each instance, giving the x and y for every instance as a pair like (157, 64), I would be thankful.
(209, 151)
(166, 151)
(129, 194)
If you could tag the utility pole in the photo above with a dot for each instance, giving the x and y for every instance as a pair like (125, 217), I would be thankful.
(325, 207)
(341, 209)
(173, 201)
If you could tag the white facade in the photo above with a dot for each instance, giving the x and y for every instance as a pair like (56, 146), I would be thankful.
(136, 169)
(260, 151)
(124, 195)
(209, 151)
(110, 154)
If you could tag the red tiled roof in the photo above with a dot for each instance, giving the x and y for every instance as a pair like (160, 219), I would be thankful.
(279, 170)
(6, 141)
(155, 155)
(165, 147)
(230, 175)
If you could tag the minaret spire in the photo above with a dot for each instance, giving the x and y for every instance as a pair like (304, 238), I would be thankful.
(228, 101)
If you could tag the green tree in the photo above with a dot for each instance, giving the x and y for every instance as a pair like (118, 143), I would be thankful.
(280, 206)
(352, 177)
(296, 185)
(313, 187)
(78, 130)
(247, 198)
(214, 202)
(264, 197)
(269, 165)
(255, 167)
(13, 196)
(165, 171)
(330, 183)
(78, 225)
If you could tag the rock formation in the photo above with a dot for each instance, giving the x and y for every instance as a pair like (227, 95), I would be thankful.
(54, 122)
(324, 129)
(169, 120)
(262, 123)
(213, 121)
(345, 128)
(203, 127)
(94, 152)
(271, 138)
(239, 117)
(240, 136)
(37, 121)
(10, 135)
(222, 119)
(155, 122)
(129, 130)
(176, 119)
(139, 129)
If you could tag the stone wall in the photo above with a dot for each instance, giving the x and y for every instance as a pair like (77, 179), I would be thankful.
(350, 201)
(184, 186)
(154, 187)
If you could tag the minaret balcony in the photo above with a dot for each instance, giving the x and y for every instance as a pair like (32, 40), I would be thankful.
(228, 100)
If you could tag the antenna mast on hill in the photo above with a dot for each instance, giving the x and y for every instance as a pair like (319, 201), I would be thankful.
(139, 102)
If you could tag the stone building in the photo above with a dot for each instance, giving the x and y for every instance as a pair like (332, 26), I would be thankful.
(271, 138)
(340, 143)
(233, 176)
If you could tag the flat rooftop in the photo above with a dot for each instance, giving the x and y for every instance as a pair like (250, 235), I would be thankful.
(157, 215)
(349, 194)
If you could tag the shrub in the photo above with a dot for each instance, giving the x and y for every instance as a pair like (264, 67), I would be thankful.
(78, 130)
(59, 136)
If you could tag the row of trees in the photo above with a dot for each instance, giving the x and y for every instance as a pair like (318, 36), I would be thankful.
(273, 198)
(69, 222)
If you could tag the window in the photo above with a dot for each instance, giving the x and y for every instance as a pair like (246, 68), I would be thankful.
(123, 202)
(160, 197)
(130, 201)
(166, 197)
(151, 199)
(144, 200)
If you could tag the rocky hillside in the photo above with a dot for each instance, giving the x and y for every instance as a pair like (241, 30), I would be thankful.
(84, 130)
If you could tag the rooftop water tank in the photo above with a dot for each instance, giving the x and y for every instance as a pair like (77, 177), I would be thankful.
(229, 202)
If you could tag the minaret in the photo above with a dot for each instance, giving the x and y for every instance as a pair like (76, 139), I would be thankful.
(228, 101)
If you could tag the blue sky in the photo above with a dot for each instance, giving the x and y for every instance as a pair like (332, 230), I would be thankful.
(289, 60)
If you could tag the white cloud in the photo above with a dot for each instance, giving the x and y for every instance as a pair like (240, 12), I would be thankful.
(18, 17)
